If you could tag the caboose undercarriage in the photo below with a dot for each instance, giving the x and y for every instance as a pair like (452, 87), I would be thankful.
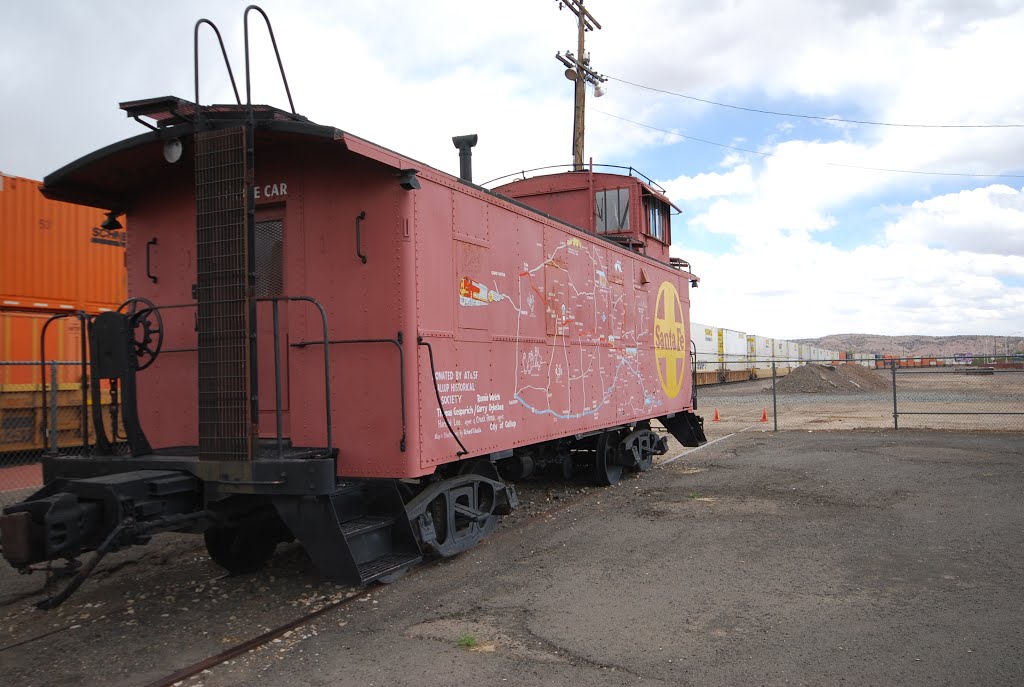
(356, 531)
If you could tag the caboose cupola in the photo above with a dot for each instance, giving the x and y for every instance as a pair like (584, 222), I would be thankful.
(628, 209)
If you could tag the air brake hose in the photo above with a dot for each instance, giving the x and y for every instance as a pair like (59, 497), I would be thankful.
(437, 392)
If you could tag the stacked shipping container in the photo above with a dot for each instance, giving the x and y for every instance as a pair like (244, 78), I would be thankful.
(54, 257)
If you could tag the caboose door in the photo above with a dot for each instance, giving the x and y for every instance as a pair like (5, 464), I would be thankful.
(270, 283)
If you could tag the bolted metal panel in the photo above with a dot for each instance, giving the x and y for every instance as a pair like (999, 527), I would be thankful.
(225, 322)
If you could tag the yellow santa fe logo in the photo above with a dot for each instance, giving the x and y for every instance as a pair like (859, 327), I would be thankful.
(670, 342)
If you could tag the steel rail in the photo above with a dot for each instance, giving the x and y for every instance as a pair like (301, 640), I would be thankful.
(269, 636)
(249, 644)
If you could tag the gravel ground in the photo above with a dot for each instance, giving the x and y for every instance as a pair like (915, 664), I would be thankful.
(889, 558)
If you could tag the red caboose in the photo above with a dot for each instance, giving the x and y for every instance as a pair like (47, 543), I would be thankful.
(329, 341)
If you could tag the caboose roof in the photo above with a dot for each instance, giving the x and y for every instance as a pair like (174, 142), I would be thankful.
(112, 176)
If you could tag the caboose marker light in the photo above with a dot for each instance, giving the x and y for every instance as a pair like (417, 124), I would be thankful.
(407, 179)
(173, 150)
(111, 223)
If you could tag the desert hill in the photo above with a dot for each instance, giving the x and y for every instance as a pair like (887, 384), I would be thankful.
(919, 346)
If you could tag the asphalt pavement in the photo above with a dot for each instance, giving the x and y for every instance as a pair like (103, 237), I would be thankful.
(791, 558)
(862, 558)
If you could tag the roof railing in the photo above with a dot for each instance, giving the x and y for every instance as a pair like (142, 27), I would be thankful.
(631, 171)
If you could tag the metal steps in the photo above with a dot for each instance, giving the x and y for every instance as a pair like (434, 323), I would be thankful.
(359, 533)
(365, 525)
(376, 550)
(387, 564)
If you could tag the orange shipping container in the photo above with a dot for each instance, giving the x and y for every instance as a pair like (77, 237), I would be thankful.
(54, 256)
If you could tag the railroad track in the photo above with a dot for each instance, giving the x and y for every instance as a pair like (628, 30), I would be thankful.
(253, 643)
(269, 636)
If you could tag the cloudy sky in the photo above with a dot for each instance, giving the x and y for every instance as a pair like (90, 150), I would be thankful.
(791, 235)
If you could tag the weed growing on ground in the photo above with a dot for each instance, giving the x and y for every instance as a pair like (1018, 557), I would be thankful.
(467, 641)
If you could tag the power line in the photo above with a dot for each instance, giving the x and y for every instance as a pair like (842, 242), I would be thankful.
(818, 117)
(830, 164)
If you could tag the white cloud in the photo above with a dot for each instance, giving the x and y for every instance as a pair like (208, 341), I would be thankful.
(982, 220)
(738, 180)
(931, 273)
(796, 287)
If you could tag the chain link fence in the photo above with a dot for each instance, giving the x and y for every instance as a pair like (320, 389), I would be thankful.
(984, 394)
(37, 418)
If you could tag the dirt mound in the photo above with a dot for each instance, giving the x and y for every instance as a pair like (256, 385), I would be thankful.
(848, 378)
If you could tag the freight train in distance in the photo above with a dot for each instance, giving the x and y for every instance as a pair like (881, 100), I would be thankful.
(328, 341)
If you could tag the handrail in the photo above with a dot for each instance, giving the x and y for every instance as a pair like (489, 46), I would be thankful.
(223, 51)
(277, 53)
(650, 182)
(277, 363)
(277, 368)
(83, 318)
(397, 341)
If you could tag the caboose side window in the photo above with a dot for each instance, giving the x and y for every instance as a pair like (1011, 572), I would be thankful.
(657, 219)
(612, 210)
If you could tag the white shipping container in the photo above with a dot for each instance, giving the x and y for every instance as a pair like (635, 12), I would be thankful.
(760, 350)
(705, 340)
(732, 349)
(778, 345)
(791, 354)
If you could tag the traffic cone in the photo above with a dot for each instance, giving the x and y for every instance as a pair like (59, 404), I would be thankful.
(764, 415)
(715, 418)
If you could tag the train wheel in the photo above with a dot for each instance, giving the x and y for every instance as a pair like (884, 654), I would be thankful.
(454, 514)
(607, 471)
(239, 549)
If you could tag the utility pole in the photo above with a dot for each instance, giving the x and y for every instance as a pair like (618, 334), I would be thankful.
(578, 70)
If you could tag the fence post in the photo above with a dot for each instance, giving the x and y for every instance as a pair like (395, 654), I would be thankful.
(775, 403)
(53, 408)
(895, 411)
